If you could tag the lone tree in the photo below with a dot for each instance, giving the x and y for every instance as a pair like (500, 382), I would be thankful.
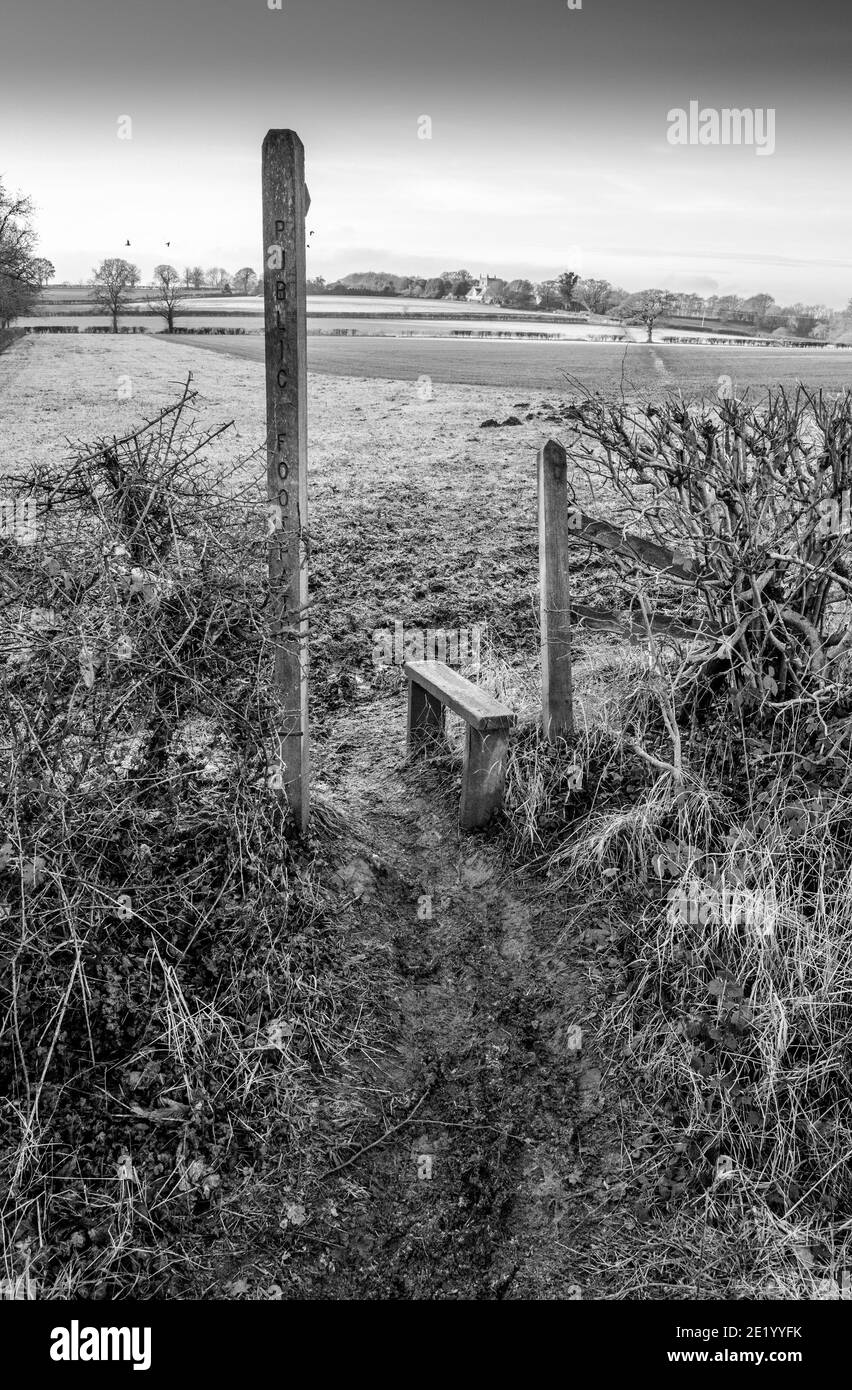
(646, 307)
(22, 273)
(244, 280)
(112, 281)
(168, 292)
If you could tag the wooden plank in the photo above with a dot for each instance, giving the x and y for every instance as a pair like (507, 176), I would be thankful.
(425, 718)
(605, 620)
(555, 606)
(484, 777)
(583, 528)
(285, 202)
(475, 705)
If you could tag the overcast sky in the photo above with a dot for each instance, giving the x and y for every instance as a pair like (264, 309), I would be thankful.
(549, 135)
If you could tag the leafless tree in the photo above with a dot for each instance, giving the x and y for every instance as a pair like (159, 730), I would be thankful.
(111, 281)
(646, 307)
(168, 292)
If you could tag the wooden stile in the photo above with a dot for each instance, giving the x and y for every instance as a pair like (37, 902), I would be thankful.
(434, 686)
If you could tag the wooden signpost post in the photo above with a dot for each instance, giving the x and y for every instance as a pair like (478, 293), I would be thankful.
(553, 540)
(285, 203)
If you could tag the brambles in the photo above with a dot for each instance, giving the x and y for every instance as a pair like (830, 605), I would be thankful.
(721, 845)
(754, 500)
(153, 915)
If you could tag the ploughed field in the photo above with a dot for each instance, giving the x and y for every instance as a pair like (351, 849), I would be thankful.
(417, 512)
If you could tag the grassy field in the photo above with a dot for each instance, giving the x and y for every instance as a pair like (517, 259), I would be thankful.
(549, 366)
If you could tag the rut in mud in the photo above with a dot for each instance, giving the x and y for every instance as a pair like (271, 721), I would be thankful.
(490, 1137)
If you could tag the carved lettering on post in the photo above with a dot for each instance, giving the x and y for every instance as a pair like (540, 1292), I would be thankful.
(285, 203)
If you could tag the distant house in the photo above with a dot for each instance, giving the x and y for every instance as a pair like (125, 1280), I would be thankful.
(487, 290)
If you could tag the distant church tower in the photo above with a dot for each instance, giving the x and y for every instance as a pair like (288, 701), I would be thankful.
(485, 287)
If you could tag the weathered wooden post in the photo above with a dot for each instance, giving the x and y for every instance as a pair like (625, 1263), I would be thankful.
(285, 203)
(553, 540)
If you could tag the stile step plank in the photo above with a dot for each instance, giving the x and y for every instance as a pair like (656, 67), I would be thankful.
(478, 709)
(484, 776)
(432, 685)
(425, 717)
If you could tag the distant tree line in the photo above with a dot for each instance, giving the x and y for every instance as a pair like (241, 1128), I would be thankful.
(569, 291)
(115, 283)
(454, 285)
(759, 311)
